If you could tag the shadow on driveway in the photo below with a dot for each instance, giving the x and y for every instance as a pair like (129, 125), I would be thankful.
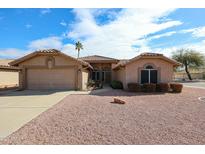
(29, 92)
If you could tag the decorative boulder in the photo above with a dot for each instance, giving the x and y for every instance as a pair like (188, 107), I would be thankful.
(118, 101)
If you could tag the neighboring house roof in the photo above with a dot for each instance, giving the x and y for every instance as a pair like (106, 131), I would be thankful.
(12, 68)
(99, 59)
(5, 61)
(147, 55)
(122, 62)
(4, 65)
(46, 51)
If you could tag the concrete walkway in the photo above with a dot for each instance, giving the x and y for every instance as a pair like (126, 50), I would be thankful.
(19, 107)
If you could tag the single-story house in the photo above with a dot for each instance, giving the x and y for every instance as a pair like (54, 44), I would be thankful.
(8, 75)
(52, 69)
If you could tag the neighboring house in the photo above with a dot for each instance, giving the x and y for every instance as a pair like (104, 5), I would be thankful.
(52, 69)
(8, 75)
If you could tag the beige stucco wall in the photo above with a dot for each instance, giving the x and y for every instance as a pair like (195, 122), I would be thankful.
(85, 74)
(8, 78)
(119, 75)
(132, 71)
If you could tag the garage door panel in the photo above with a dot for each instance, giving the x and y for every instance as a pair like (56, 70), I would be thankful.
(51, 78)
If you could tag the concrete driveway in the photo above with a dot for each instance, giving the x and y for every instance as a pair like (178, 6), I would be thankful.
(19, 107)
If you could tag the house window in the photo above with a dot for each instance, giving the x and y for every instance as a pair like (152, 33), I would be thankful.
(103, 76)
(149, 67)
(149, 75)
(95, 75)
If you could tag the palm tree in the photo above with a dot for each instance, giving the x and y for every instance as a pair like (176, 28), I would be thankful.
(78, 47)
(189, 59)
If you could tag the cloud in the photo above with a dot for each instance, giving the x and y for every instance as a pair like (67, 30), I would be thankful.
(69, 49)
(63, 23)
(28, 26)
(199, 46)
(118, 37)
(45, 11)
(196, 32)
(46, 43)
(125, 35)
(12, 53)
(162, 35)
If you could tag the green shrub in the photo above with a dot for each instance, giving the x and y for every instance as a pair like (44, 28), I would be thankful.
(94, 84)
(91, 83)
(116, 84)
(203, 76)
(149, 87)
(176, 87)
(99, 84)
(162, 87)
(134, 87)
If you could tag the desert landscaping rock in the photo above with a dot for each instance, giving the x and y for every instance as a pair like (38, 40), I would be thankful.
(118, 101)
(145, 119)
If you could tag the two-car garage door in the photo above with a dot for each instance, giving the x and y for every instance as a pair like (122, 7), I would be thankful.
(51, 78)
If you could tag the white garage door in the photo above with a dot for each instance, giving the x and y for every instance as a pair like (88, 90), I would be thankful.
(51, 78)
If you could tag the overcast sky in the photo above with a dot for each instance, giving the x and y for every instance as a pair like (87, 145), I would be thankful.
(118, 33)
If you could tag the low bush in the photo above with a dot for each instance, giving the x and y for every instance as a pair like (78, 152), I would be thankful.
(116, 84)
(176, 87)
(162, 87)
(134, 87)
(149, 87)
(203, 76)
(91, 83)
(99, 84)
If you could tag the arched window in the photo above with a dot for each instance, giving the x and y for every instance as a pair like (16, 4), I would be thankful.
(149, 74)
(149, 67)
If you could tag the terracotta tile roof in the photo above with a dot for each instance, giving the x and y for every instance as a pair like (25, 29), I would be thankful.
(151, 54)
(47, 51)
(123, 62)
(97, 58)
(144, 55)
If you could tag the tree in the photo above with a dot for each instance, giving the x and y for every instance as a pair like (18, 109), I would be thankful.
(78, 47)
(189, 58)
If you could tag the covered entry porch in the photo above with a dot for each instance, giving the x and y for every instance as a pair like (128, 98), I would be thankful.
(101, 73)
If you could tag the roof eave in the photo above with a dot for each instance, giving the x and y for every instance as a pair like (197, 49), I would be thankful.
(102, 61)
(9, 67)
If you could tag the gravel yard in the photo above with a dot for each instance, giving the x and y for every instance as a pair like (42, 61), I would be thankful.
(144, 119)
